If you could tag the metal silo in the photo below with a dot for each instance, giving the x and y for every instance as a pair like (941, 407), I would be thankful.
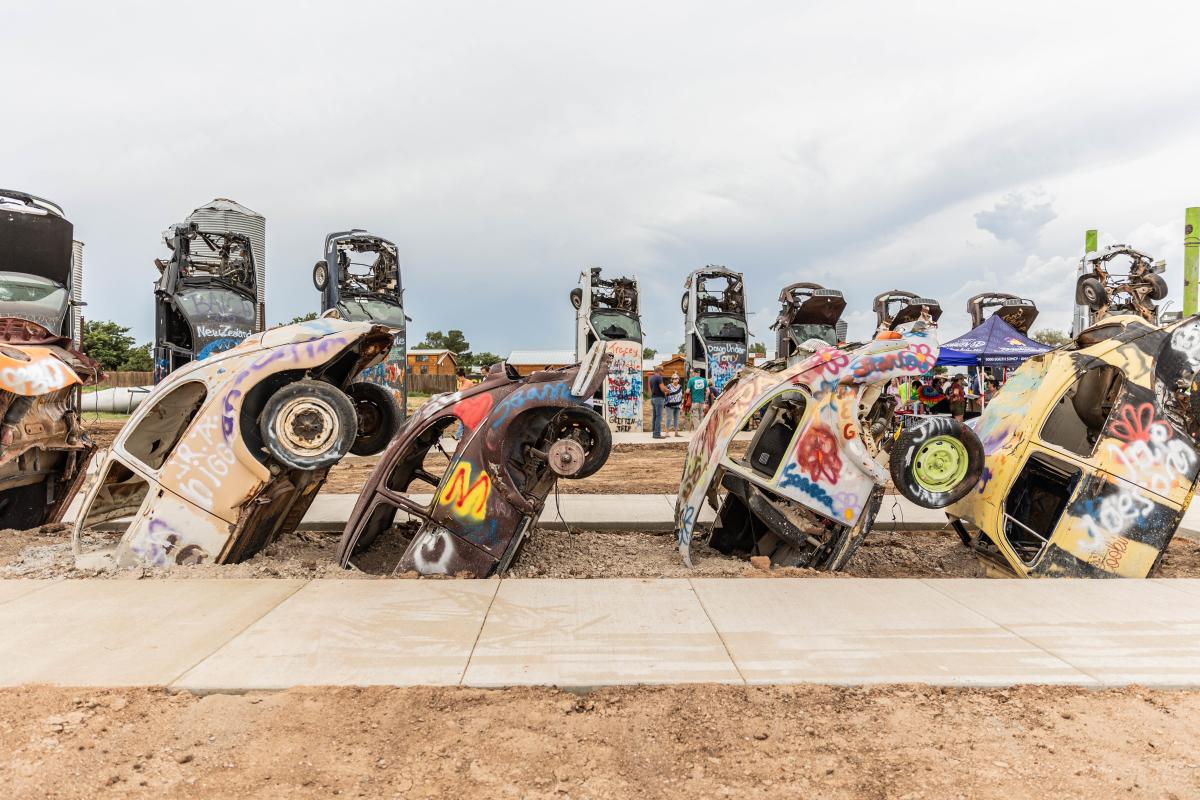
(224, 215)
(77, 291)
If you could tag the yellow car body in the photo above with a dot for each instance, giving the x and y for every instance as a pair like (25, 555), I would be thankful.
(1090, 454)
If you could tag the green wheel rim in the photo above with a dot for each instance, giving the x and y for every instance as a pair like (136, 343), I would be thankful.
(940, 464)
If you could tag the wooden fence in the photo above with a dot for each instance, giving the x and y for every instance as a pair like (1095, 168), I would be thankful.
(124, 379)
(431, 384)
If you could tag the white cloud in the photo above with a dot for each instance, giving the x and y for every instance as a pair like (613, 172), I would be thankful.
(504, 147)
(1018, 217)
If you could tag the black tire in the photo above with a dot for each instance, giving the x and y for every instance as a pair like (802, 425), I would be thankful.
(308, 425)
(1090, 292)
(320, 276)
(577, 298)
(1158, 286)
(590, 430)
(683, 303)
(924, 448)
(378, 417)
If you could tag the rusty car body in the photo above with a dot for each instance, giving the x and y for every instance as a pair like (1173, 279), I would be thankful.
(520, 435)
(1019, 312)
(1091, 454)
(1105, 290)
(810, 483)
(368, 291)
(226, 454)
(808, 312)
(204, 299)
(43, 448)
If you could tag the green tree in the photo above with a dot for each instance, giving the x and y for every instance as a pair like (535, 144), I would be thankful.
(759, 348)
(108, 343)
(1051, 337)
(679, 350)
(309, 317)
(139, 360)
(454, 341)
(482, 360)
(649, 352)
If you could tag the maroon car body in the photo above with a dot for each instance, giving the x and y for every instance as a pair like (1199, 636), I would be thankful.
(520, 434)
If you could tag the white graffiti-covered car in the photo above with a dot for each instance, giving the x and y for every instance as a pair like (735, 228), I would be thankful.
(807, 489)
(227, 453)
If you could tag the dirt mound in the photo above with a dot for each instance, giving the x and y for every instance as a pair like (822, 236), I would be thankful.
(679, 741)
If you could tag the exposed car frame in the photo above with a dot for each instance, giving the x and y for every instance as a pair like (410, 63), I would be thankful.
(521, 435)
(594, 300)
(712, 294)
(204, 303)
(350, 292)
(809, 311)
(1019, 312)
(43, 449)
(1105, 292)
(226, 454)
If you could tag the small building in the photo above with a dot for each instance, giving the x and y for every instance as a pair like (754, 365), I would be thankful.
(671, 365)
(431, 362)
(526, 362)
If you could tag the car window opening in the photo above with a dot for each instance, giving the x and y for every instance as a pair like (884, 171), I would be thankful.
(1036, 503)
(120, 495)
(773, 439)
(1083, 409)
(164, 425)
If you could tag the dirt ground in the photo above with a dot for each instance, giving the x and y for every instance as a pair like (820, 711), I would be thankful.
(631, 469)
(46, 553)
(680, 741)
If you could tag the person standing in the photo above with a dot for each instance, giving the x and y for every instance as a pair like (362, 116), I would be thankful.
(698, 391)
(658, 399)
(674, 404)
(957, 396)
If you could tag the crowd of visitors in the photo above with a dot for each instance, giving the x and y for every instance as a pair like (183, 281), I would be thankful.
(674, 405)
(938, 395)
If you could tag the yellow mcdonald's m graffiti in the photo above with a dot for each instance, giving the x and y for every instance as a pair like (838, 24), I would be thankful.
(467, 499)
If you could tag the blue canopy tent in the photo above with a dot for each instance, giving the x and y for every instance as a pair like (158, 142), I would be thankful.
(994, 343)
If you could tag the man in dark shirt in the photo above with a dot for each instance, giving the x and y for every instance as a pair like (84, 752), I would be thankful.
(658, 397)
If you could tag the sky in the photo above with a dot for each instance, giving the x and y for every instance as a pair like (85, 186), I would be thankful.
(942, 148)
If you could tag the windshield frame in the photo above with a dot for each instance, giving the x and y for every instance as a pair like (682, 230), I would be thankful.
(364, 298)
(610, 313)
(704, 318)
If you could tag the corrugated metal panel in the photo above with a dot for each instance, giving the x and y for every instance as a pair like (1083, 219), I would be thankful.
(224, 215)
(843, 330)
(77, 290)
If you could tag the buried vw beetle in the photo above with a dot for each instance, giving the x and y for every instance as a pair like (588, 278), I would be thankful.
(227, 453)
(808, 488)
(1090, 455)
(519, 436)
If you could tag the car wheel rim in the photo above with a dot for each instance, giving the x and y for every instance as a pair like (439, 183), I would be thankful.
(940, 464)
(306, 426)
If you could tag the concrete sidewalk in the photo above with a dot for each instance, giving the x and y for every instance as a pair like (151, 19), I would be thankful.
(620, 512)
(234, 635)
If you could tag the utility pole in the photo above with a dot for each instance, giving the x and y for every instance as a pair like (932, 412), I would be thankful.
(1082, 314)
(1191, 259)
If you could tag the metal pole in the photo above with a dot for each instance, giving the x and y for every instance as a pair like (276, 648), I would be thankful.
(1191, 259)
(1082, 317)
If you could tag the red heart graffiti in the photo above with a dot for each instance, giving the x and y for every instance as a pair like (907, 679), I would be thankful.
(472, 410)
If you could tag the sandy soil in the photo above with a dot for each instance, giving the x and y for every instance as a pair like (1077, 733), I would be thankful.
(46, 553)
(630, 469)
(685, 741)
(637, 469)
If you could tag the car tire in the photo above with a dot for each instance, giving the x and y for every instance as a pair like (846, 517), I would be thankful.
(1090, 292)
(1158, 286)
(320, 276)
(308, 425)
(590, 430)
(937, 462)
(377, 415)
(683, 303)
(577, 298)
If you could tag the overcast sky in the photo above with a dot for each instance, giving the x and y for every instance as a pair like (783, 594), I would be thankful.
(944, 148)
